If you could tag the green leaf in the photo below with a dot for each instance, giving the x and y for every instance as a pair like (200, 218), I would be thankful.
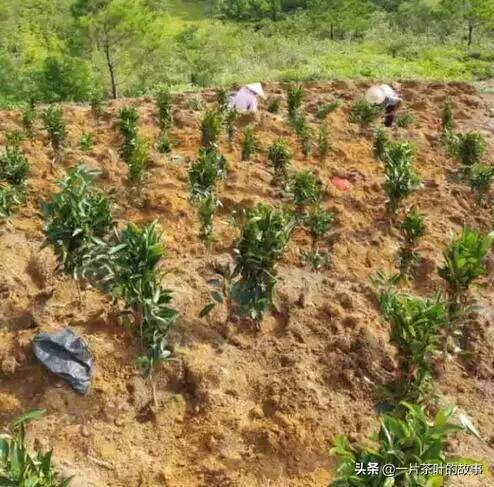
(206, 310)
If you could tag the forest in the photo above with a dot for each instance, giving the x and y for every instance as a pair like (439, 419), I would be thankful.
(76, 50)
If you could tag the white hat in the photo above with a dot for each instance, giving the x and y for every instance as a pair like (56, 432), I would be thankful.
(256, 88)
(375, 94)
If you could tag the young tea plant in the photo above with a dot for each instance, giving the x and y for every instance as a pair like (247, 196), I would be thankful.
(412, 228)
(55, 126)
(20, 468)
(364, 113)
(380, 145)
(405, 120)
(74, 216)
(164, 105)
(323, 144)
(96, 104)
(164, 145)
(28, 118)
(318, 222)
(326, 108)
(303, 132)
(304, 189)
(207, 170)
(480, 179)
(447, 122)
(231, 117)
(412, 440)
(471, 147)
(274, 105)
(138, 162)
(128, 128)
(207, 204)
(86, 141)
(295, 94)
(210, 127)
(415, 327)
(222, 100)
(250, 143)
(400, 177)
(464, 262)
(280, 159)
(265, 236)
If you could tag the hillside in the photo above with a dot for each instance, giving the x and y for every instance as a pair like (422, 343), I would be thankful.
(240, 406)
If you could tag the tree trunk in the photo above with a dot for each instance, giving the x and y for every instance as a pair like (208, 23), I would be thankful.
(470, 33)
(111, 67)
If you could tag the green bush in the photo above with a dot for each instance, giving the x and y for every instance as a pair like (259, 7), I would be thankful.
(250, 144)
(471, 147)
(20, 468)
(447, 122)
(318, 222)
(138, 162)
(28, 118)
(14, 167)
(222, 99)
(210, 127)
(480, 179)
(56, 128)
(128, 129)
(207, 205)
(280, 158)
(164, 145)
(326, 108)
(364, 113)
(412, 228)
(323, 144)
(274, 105)
(265, 235)
(380, 144)
(304, 188)
(231, 117)
(164, 104)
(210, 167)
(295, 94)
(74, 216)
(405, 120)
(86, 141)
(301, 127)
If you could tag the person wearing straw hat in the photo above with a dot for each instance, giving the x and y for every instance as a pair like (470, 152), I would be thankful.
(245, 100)
(385, 96)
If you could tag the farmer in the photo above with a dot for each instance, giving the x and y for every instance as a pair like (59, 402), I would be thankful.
(245, 100)
(385, 96)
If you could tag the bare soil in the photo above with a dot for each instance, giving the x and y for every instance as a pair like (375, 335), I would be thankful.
(239, 406)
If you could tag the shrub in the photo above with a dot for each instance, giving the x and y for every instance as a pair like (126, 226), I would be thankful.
(402, 443)
(19, 467)
(295, 94)
(230, 119)
(464, 262)
(326, 108)
(222, 100)
(323, 144)
(206, 171)
(10, 197)
(210, 127)
(265, 235)
(194, 104)
(380, 144)
(55, 126)
(400, 178)
(280, 158)
(415, 324)
(274, 105)
(138, 162)
(14, 167)
(250, 144)
(470, 149)
(74, 216)
(164, 145)
(405, 120)
(164, 104)
(96, 104)
(207, 205)
(480, 178)
(412, 228)
(28, 117)
(86, 141)
(304, 188)
(447, 122)
(364, 113)
(303, 132)
(128, 128)
(318, 222)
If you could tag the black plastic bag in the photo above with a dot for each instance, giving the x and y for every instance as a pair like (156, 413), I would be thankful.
(66, 355)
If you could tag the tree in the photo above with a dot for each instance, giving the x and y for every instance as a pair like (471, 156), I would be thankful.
(121, 30)
(470, 13)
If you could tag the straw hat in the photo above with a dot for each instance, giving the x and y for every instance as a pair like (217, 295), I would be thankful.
(376, 94)
(256, 88)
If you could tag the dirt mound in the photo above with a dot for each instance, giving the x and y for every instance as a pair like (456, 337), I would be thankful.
(237, 407)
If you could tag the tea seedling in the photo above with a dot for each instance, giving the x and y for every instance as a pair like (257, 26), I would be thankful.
(326, 108)
(405, 120)
(265, 235)
(222, 100)
(20, 468)
(164, 145)
(400, 178)
(250, 144)
(295, 94)
(194, 104)
(381, 142)
(471, 147)
(274, 105)
(464, 262)
(303, 132)
(86, 141)
(480, 179)
(318, 221)
(74, 216)
(304, 189)
(128, 129)
(28, 118)
(412, 228)
(416, 325)
(55, 126)
(280, 158)
(412, 440)
(10, 197)
(447, 122)
(210, 167)
(96, 103)
(323, 144)
(364, 113)
(164, 104)
(207, 205)
(138, 162)
(210, 127)
(230, 124)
